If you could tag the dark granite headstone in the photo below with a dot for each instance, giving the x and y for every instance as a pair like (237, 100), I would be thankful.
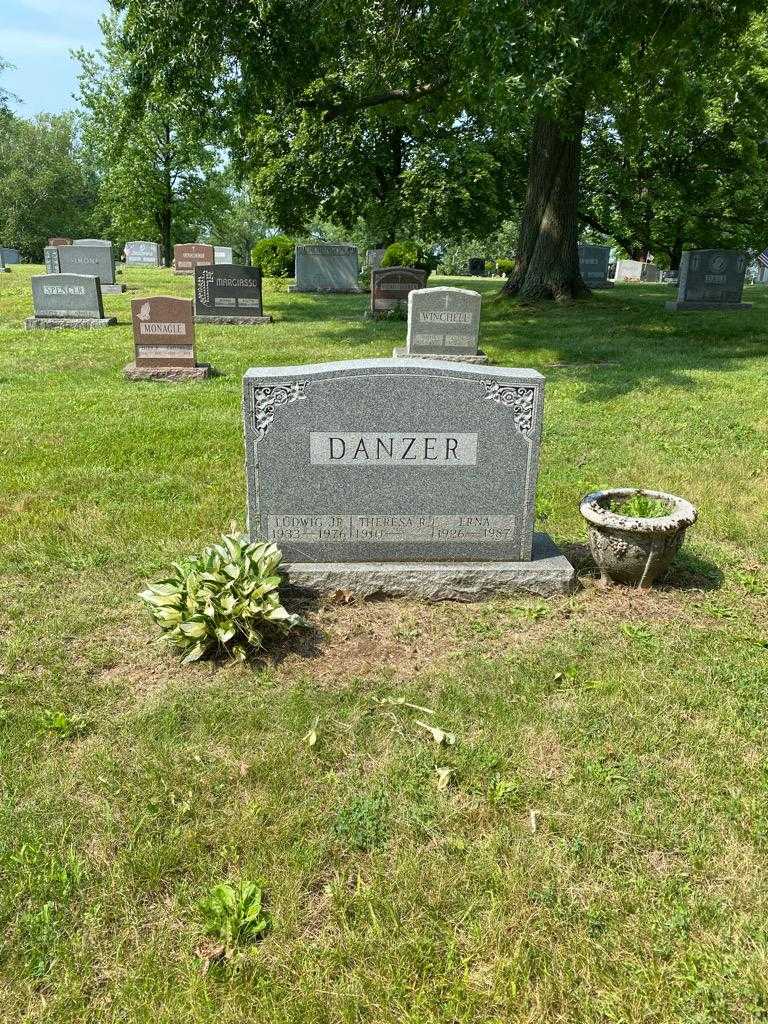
(711, 279)
(323, 267)
(189, 255)
(67, 300)
(398, 476)
(163, 331)
(476, 266)
(228, 294)
(593, 264)
(391, 286)
(651, 273)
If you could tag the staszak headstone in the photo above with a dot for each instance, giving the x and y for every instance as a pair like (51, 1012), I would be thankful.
(400, 477)
(443, 323)
(229, 295)
(143, 254)
(164, 340)
(189, 255)
(326, 268)
(67, 300)
(391, 286)
(711, 279)
(593, 265)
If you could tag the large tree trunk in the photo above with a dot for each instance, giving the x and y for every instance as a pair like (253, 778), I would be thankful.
(675, 254)
(547, 257)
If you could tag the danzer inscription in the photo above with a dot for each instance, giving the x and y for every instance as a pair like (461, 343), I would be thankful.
(392, 449)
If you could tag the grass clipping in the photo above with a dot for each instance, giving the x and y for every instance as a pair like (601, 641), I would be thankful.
(222, 602)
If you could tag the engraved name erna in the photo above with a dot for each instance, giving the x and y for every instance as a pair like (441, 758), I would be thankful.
(392, 449)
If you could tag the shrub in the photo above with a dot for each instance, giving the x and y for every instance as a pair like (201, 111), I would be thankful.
(275, 256)
(407, 254)
(223, 601)
(505, 267)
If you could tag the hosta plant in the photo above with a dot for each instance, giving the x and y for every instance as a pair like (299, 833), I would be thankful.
(224, 601)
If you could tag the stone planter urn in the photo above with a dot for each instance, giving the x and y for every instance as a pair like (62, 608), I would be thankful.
(635, 550)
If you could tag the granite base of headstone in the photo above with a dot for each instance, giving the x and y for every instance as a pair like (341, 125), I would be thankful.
(229, 294)
(326, 268)
(401, 478)
(164, 341)
(443, 323)
(711, 279)
(67, 301)
(478, 359)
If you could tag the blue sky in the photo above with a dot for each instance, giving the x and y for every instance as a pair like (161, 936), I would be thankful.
(36, 36)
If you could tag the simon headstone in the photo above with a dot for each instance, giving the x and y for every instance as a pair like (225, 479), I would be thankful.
(164, 340)
(143, 254)
(189, 255)
(223, 254)
(443, 323)
(593, 264)
(400, 477)
(91, 259)
(711, 279)
(324, 267)
(67, 300)
(229, 295)
(391, 286)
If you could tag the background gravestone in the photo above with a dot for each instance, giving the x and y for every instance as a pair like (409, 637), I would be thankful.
(443, 323)
(164, 340)
(326, 268)
(59, 241)
(373, 258)
(476, 266)
(711, 279)
(223, 254)
(10, 256)
(651, 273)
(143, 254)
(593, 264)
(229, 295)
(628, 270)
(91, 259)
(3, 268)
(396, 476)
(189, 255)
(67, 300)
(51, 259)
(391, 286)
(92, 241)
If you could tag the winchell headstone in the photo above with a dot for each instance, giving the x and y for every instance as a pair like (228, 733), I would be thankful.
(400, 477)
(391, 286)
(164, 340)
(593, 264)
(223, 254)
(229, 295)
(189, 255)
(67, 300)
(143, 254)
(711, 279)
(443, 323)
(91, 259)
(326, 268)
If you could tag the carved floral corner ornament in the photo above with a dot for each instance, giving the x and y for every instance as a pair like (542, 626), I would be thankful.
(521, 400)
(266, 399)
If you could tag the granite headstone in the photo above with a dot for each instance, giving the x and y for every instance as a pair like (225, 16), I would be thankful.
(91, 259)
(51, 259)
(10, 256)
(164, 340)
(223, 254)
(443, 323)
(322, 267)
(373, 258)
(628, 270)
(229, 295)
(391, 286)
(3, 268)
(143, 254)
(398, 476)
(92, 241)
(67, 300)
(593, 264)
(189, 255)
(651, 273)
(59, 241)
(476, 266)
(711, 279)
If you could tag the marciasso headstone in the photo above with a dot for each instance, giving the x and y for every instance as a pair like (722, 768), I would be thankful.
(223, 254)
(711, 279)
(164, 341)
(67, 301)
(323, 267)
(391, 286)
(400, 477)
(443, 323)
(189, 255)
(97, 259)
(229, 295)
(143, 254)
(593, 265)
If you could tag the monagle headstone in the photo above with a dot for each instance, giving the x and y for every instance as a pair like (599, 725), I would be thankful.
(229, 295)
(593, 264)
(189, 255)
(10, 256)
(711, 279)
(400, 477)
(51, 259)
(164, 340)
(223, 254)
(443, 323)
(476, 266)
(143, 254)
(391, 286)
(324, 267)
(67, 300)
(91, 259)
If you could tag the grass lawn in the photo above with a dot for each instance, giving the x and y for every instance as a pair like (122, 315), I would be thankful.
(629, 727)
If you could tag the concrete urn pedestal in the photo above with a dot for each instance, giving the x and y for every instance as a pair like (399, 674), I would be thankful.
(634, 550)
